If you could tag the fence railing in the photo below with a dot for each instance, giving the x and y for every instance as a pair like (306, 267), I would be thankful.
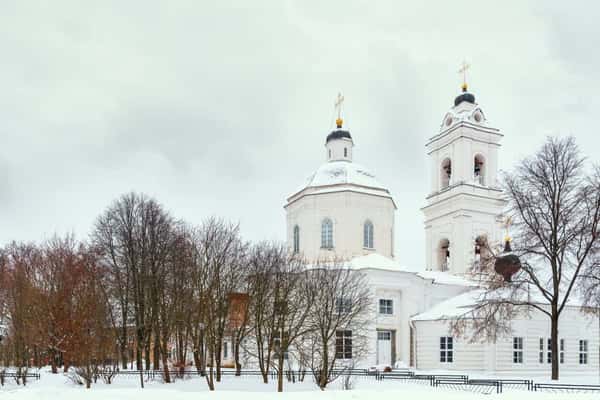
(19, 377)
(564, 387)
(454, 381)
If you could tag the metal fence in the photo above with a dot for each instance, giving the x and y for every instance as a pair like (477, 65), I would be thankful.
(452, 381)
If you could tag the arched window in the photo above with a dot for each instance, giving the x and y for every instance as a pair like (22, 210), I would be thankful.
(446, 173)
(329, 153)
(479, 169)
(327, 234)
(368, 235)
(480, 254)
(444, 255)
(296, 239)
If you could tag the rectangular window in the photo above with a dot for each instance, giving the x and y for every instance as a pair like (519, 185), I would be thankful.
(384, 335)
(518, 350)
(583, 352)
(561, 355)
(386, 306)
(446, 349)
(541, 350)
(225, 348)
(549, 351)
(343, 305)
(343, 345)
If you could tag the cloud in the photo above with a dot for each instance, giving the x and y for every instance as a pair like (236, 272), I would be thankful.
(222, 108)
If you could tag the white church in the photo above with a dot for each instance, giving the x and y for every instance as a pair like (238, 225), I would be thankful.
(345, 212)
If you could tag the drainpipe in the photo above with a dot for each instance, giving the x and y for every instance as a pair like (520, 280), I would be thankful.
(414, 344)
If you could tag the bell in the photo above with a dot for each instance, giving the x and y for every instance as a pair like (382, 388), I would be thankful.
(507, 264)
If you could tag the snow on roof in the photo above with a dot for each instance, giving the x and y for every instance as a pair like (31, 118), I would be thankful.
(377, 261)
(463, 303)
(446, 278)
(336, 172)
(343, 172)
(452, 307)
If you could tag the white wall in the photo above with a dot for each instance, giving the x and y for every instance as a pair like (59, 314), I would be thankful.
(411, 295)
(348, 211)
(497, 358)
(336, 148)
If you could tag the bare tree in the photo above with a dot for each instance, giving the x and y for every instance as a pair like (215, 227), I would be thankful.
(555, 208)
(181, 291)
(20, 296)
(294, 300)
(338, 320)
(220, 261)
(264, 261)
(134, 235)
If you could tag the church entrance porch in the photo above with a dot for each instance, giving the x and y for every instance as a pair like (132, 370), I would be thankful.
(385, 347)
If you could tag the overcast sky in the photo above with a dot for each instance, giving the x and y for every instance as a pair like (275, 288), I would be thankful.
(222, 108)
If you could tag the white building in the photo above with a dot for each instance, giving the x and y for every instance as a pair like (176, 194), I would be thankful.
(343, 211)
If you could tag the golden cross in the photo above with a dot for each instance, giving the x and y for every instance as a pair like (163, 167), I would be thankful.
(507, 224)
(338, 104)
(463, 70)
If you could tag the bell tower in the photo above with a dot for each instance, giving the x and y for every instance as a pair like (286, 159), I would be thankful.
(464, 207)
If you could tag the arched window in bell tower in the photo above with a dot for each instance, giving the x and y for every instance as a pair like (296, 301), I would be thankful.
(480, 252)
(444, 255)
(446, 173)
(479, 169)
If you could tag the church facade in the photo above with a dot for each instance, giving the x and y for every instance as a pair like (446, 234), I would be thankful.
(343, 212)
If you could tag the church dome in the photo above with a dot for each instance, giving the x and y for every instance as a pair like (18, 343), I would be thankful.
(464, 96)
(338, 134)
(343, 173)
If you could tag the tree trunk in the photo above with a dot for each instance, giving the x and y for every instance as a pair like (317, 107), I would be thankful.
(280, 371)
(36, 357)
(66, 364)
(218, 365)
(555, 344)
(123, 346)
(166, 367)
(209, 376)
(156, 353)
(197, 362)
(216, 355)
(181, 355)
(53, 362)
(123, 353)
(138, 358)
(140, 347)
(147, 355)
(202, 350)
(324, 368)
(236, 355)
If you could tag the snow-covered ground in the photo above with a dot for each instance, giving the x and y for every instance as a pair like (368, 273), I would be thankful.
(248, 388)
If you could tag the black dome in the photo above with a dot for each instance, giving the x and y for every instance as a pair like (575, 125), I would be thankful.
(465, 96)
(338, 134)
